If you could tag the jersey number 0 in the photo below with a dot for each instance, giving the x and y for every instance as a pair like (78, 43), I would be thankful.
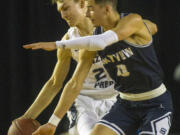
(122, 70)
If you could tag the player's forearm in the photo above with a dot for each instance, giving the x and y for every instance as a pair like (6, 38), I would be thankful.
(73, 87)
(91, 43)
(69, 94)
(48, 92)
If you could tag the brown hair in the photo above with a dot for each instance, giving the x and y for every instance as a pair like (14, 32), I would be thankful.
(104, 2)
(54, 1)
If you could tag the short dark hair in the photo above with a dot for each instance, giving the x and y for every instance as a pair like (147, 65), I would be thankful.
(54, 1)
(112, 2)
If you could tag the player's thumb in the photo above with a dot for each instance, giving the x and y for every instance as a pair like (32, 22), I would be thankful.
(37, 132)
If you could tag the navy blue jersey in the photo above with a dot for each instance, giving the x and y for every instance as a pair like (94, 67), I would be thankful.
(134, 68)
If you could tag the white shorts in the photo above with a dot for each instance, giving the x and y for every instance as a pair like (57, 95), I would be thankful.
(89, 111)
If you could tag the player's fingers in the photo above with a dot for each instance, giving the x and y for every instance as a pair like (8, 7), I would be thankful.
(36, 47)
(36, 132)
(28, 46)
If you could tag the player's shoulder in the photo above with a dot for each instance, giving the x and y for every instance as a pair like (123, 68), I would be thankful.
(70, 33)
(98, 30)
(71, 29)
(73, 32)
(130, 15)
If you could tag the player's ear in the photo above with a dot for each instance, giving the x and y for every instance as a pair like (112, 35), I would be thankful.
(108, 9)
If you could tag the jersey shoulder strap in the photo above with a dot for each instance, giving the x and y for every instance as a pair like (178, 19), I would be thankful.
(98, 30)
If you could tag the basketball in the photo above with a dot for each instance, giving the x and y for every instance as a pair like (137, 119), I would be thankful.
(23, 127)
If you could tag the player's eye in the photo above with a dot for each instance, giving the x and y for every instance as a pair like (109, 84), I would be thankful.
(65, 8)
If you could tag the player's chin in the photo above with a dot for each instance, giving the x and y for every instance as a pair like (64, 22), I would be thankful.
(71, 23)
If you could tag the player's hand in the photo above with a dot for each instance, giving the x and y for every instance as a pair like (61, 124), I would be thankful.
(48, 46)
(46, 129)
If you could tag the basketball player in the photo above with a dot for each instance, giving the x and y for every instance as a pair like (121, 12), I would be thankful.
(97, 94)
(50, 128)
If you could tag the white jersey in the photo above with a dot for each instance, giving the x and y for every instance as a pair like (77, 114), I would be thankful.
(98, 83)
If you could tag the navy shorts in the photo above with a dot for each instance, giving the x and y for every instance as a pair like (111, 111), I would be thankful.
(149, 117)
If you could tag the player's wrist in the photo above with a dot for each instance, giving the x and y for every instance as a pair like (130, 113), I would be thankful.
(60, 44)
(27, 116)
(54, 120)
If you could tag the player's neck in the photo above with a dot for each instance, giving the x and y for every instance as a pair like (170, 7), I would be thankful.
(111, 21)
(85, 27)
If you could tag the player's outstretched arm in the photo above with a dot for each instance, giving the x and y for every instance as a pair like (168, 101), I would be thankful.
(52, 86)
(70, 92)
(126, 26)
(129, 25)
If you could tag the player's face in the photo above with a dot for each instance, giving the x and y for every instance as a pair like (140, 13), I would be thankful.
(70, 11)
(96, 13)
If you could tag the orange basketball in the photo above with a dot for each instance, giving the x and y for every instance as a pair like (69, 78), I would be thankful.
(23, 127)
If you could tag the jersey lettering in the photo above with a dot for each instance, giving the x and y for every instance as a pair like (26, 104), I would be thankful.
(96, 59)
(99, 73)
(103, 84)
(122, 70)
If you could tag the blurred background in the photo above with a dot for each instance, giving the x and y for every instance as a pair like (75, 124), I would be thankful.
(24, 72)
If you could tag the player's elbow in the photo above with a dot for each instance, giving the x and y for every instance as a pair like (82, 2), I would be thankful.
(75, 86)
(155, 29)
(54, 85)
